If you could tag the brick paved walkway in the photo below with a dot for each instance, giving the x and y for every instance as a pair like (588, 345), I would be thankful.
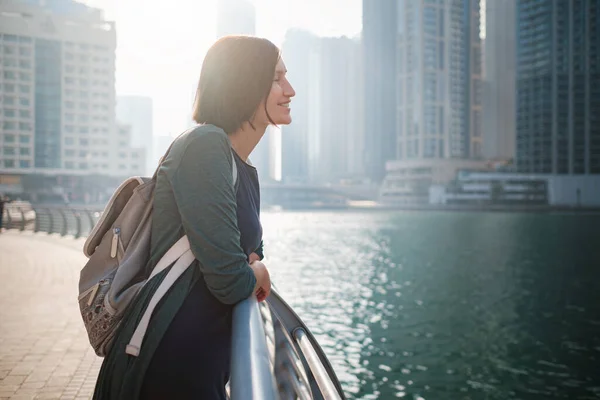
(44, 352)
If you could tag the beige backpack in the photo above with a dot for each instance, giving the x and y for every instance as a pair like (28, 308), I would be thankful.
(118, 249)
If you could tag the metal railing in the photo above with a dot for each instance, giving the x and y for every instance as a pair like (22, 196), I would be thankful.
(61, 220)
(274, 355)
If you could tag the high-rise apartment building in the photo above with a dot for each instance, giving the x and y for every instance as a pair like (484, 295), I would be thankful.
(500, 61)
(57, 77)
(558, 87)
(325, 142)
(379, 40)
(336, 141)
(136, 111)
(300, 53)
(439, 80)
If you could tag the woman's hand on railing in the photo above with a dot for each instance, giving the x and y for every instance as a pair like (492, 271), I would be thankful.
(263, 279)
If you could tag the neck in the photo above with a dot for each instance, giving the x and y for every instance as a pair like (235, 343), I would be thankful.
(245, 139)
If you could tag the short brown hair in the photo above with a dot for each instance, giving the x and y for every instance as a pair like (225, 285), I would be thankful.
(237, 74)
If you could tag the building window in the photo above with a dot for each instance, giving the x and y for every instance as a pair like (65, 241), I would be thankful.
(24, 113)
(24, 101)
(24, 139)
(83, 165)
(9, 88)
(9, 163)
(9, 100)
(70, 153)
(24, 163)
(10, 75)
(24, 151)
(24, 88)
(69, 165)
(10, 62)
(11, 38)
(24, 51)
(84, 142)
(9, 138)
(25, 126)
(9, 113)
(25, 64)
(9, 125)
(9, 50)
(83, 154)
(84, 129)
(69, 141)
(9, 151)
(25, 76)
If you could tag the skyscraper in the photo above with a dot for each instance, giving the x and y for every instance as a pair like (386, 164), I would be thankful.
(439, 96)
(136, 111)
(336, 141)
(58, 73)
(499, 100)
(439, 80)
(300, 54)
(235, 17)
(558, 87)
(379, 39)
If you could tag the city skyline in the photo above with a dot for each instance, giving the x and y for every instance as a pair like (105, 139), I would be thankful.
(176, 50)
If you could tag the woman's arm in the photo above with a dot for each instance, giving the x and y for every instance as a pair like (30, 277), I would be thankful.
(205, 196)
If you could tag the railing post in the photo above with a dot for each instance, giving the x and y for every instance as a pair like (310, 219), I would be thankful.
(8, 219)
(20, 209)
(51, 218)
(63, 230)
(36, 227)
(78, 221)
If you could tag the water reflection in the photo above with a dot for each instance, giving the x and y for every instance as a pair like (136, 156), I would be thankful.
(441, 305)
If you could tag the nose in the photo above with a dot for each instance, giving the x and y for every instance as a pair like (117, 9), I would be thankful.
(288, 90)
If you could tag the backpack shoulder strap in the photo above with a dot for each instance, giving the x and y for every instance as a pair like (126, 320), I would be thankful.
(234, 169)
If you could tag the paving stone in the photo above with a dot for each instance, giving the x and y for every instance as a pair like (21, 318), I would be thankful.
(44, 350)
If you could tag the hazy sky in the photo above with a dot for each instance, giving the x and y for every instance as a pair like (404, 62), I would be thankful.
(160, 45)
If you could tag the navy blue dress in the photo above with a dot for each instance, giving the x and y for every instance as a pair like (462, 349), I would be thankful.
(192, 359)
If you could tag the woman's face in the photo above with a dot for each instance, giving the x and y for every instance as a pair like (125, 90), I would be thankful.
(278, 100)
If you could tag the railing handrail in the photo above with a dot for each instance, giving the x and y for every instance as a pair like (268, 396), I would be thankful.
(251, 376)
(328, 389)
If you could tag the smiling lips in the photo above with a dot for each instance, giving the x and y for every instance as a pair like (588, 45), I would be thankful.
(286, 105)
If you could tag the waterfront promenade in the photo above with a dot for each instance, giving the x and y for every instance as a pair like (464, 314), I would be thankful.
(44, 352)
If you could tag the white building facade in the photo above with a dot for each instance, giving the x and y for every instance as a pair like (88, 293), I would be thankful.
(57, 94)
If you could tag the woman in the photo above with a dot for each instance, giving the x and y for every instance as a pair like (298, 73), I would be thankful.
(186, 352)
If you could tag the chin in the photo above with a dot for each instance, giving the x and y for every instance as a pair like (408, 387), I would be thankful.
(284, 120)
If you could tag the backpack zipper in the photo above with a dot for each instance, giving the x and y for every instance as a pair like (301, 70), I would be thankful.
(115, 242)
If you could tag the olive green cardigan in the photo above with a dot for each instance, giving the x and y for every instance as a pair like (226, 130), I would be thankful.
(194, 195)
